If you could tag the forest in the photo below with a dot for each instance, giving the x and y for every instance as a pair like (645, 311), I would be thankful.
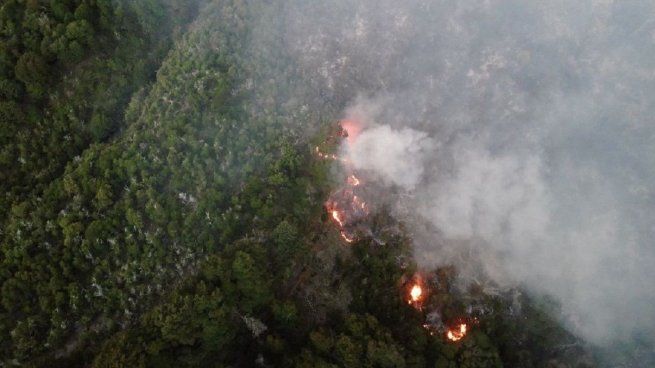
(163, 205)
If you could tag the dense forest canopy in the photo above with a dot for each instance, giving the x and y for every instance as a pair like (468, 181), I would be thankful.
(173, 193)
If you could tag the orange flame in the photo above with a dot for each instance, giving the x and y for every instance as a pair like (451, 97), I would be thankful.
(352, 128)
(457, 333)
(415, 294)
(346, 237)
(345, 208)
(326, 156)
(337, 217)
(353, 180)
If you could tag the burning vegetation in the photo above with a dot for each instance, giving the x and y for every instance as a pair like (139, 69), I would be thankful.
(326, 156)
(350, 212)
(417, 292)
(346, 206)
(448, 312)
(457, 333)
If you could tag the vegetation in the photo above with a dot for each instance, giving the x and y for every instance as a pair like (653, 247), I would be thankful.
(181, 222)
(67, 71)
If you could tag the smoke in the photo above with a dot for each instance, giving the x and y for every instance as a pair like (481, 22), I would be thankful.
(522, 131)
(394, 156)
(556, 217)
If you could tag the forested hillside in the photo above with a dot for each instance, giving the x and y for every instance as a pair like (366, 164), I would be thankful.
(161, 207)
(67, 72)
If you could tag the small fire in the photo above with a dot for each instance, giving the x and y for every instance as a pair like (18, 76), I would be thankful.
(337, 217)
(347, 238)
(457, 333)
(352, 129)
(415, 294)
(345, 207)
(326, 156)
(353, 181)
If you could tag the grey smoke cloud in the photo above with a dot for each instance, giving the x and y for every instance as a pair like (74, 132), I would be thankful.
(523, 130)
(394, 155)
(562, 226)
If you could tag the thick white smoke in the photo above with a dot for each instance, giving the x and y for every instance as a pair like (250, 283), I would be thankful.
(523, 130)
(562, 228)
(394, 155)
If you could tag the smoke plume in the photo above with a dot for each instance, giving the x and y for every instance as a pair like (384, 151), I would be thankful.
(522, 131)
(394, 156)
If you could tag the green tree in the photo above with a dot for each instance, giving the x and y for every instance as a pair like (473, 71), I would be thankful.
(34, 72)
